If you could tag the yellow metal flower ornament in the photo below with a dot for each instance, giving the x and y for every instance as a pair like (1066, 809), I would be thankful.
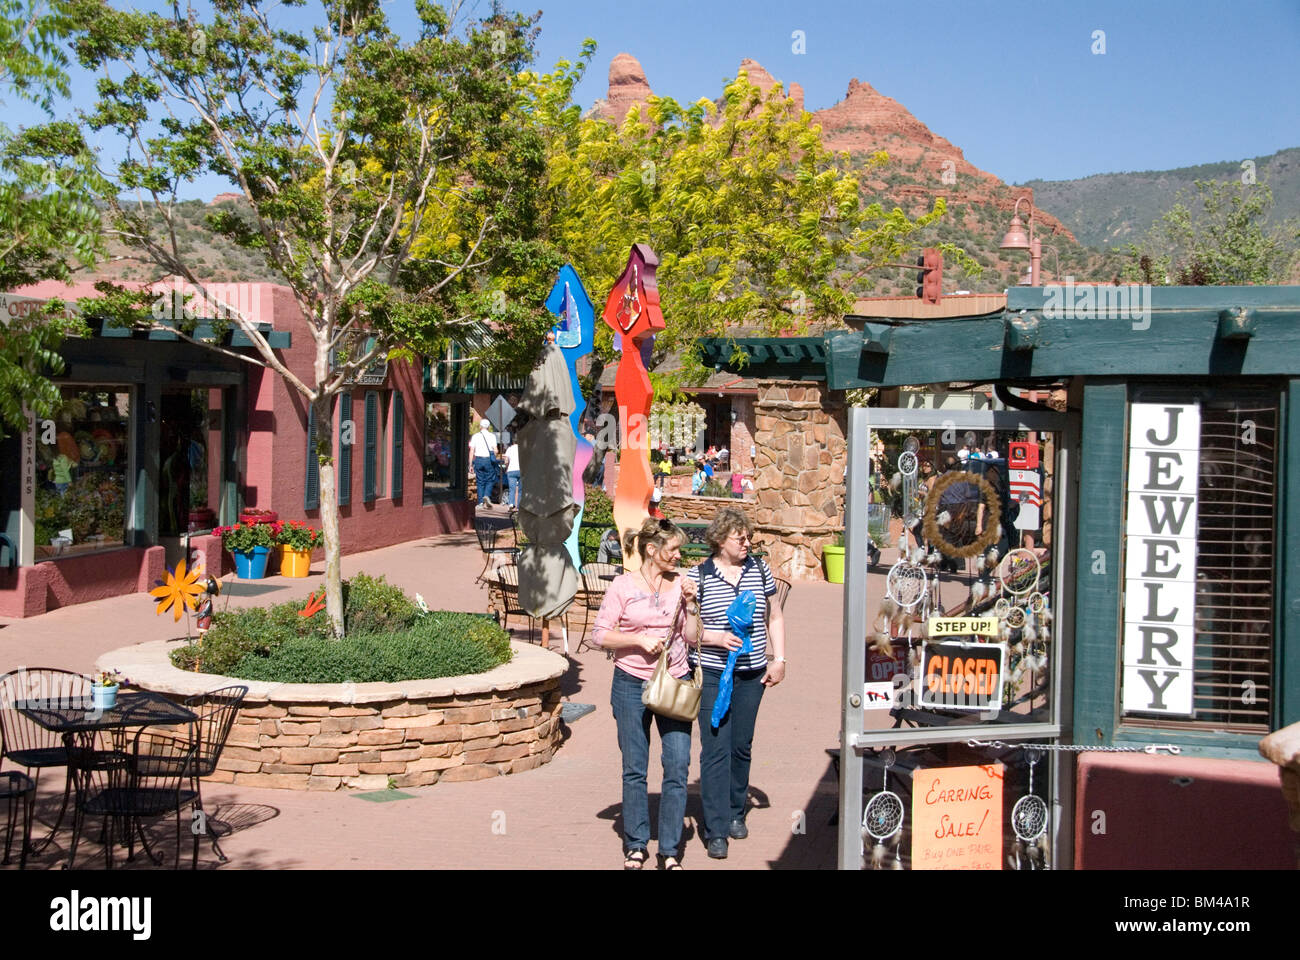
(180, 590)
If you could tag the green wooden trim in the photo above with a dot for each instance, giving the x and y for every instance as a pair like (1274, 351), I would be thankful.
(398, 429)
(1287, 667)
(1193, 743)
(311, 484)
(1097, 616)
(370, 470)
(1174, 298)
(345, 451)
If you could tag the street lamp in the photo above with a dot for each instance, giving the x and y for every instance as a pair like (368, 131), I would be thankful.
(1017, 239)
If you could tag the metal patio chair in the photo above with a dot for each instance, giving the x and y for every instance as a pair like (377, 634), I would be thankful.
(596, 578)
(493, 541)
(508, 580)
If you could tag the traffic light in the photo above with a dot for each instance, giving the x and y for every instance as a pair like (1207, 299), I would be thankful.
(920, 277)
(932, 277)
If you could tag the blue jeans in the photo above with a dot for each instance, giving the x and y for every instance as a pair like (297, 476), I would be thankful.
(725, 752)
(633, 720)
(485, 477)
(512, 481)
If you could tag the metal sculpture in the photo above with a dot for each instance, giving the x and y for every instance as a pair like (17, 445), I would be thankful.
(632, 312)
(574, 335)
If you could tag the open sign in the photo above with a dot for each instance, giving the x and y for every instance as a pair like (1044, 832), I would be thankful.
(962, 676)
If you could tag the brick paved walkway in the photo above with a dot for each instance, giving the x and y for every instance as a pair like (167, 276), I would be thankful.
(564, 814)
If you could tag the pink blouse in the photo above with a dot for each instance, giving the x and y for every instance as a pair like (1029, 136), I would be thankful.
(629, 607)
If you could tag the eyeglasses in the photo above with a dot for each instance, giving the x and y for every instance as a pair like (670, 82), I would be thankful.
(740, 537)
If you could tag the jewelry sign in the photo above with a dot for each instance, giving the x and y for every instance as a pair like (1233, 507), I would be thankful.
(1160, 557)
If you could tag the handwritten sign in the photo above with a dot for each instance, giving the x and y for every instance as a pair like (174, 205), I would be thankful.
(957, 818)
(1160, 557)
(962, 676)
(962, 627)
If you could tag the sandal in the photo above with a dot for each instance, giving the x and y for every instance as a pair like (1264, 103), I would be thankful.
(635, 859)
(669, 863)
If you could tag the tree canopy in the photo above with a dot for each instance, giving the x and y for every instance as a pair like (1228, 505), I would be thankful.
(1219, 236)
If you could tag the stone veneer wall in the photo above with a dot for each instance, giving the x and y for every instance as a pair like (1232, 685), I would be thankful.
(309, 736)
(324, 746)
(799, 432)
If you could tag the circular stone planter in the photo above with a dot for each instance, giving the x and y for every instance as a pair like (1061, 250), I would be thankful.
(323, 736)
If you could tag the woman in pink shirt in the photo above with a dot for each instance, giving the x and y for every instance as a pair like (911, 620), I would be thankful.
(640, 613)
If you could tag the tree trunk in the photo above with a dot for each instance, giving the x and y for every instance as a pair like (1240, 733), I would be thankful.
(329, 513)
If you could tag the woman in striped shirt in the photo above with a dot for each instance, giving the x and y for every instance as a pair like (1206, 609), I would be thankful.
(725, 751)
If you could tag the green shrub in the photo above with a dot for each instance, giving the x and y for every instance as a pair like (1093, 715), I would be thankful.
(714, 488)
(373, 605)
(438, 645)
(236, 634)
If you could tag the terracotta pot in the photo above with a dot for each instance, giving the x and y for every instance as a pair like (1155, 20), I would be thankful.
(267, 516)
(294, 563)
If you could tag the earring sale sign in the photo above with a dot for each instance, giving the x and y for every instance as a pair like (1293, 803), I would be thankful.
(1160, 557)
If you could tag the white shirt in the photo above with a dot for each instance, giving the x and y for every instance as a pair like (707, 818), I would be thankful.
(512, 458)
(483, 444)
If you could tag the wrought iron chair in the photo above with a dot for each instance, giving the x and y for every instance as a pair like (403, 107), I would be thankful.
(782, 591)
(25, 742)
(492, 542)
(596, 578)
(153, 779)
(508, 580)
(216, 711)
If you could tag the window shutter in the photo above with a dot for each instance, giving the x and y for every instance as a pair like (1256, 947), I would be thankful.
(345, 451)
(311, 487)
(372, 434)
(398, 419)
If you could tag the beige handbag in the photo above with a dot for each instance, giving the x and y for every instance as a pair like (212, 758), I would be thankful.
(667, 696)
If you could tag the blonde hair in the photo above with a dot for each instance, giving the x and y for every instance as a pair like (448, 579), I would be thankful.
(653, 533)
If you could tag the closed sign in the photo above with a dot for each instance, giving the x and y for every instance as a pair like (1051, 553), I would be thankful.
(962, 676)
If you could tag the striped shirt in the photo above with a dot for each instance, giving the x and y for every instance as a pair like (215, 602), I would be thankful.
(717, 595)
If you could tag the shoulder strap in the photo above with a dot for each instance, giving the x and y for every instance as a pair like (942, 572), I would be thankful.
(706, 568)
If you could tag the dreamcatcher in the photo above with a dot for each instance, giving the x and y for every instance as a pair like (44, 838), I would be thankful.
(882, 820)
(1024, 613)
(907, 587)
(1029, 821)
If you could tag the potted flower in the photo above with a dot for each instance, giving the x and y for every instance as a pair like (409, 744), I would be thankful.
(103, 689)
(254, 515)
(833, 557)
(251, 544)
(297, 540)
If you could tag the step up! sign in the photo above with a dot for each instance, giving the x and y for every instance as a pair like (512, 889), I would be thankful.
(1160, 557)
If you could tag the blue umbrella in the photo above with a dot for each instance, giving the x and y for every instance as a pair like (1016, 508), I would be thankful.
(740, 615)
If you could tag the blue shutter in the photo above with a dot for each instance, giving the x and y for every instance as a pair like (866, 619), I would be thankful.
(372, 436)
(345, 451)
(311, 487)
(398, 422)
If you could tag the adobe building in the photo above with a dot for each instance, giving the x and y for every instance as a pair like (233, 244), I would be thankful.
(157, 441)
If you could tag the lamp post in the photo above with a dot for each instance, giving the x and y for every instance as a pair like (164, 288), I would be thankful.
(1017, 239)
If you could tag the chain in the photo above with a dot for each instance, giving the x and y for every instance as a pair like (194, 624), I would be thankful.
(1152, 748)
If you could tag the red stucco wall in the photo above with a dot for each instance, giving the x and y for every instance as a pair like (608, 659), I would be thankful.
(1139, 812)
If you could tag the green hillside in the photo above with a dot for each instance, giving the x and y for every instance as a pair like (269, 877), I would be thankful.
(1113, 209)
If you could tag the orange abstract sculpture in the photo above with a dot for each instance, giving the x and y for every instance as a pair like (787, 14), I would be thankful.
(178, 591)
(632, 311)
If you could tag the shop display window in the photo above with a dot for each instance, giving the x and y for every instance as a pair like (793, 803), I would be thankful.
(83, 456)
(446, 425)
(961, 624)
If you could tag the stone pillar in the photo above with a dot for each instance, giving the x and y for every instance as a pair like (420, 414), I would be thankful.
(799, 431)
(742, 433)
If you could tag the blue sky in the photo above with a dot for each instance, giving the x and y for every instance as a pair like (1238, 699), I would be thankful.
(1014, 83)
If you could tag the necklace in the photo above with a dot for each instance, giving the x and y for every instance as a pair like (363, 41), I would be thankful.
(651, 588)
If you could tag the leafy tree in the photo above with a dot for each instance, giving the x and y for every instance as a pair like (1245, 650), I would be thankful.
(383, 178)
(755, 223)
(47, 217)
(1220, 236)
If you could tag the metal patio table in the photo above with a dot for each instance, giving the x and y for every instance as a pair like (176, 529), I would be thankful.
(78, 717)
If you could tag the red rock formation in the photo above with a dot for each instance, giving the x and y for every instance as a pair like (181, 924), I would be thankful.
(226, 198)
(628, 88)
(764, 81)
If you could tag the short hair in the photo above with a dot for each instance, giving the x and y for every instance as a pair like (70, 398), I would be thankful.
(654, 532)
(727, 522)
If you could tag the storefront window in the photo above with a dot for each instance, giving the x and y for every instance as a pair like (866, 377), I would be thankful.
(82, 468)
(445, 440)
(961, 531)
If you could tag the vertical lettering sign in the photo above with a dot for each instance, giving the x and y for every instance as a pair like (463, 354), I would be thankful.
(1160, 557)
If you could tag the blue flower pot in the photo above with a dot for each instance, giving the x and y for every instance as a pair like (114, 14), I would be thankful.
(103, 698)
(251, 564)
